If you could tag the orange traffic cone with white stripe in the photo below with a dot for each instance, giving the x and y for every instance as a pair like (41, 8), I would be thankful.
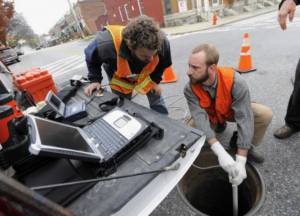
(245, 64)
(169, 76)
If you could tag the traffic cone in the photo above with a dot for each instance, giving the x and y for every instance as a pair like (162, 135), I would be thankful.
(245, 64)
(169, 76)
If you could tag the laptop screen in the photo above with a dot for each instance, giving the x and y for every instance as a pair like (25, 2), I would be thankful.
(58, 135)
(55, 101)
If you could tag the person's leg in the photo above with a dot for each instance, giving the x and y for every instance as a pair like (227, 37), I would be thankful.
(292, 118)
(157, 103)
(127, 96)
(191, 122)
(221, 127)
(262, 119)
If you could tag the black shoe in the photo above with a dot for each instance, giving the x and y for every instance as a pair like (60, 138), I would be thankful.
(233, 141)
(221, 127)
(253, 154)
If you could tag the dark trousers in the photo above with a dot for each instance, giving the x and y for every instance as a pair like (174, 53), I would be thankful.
(292, 117)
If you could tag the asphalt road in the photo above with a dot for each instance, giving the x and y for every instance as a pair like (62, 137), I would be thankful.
(275, 54)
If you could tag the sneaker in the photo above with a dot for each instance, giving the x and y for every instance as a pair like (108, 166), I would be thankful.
(284, 132)
(253, 154)
(221, 127)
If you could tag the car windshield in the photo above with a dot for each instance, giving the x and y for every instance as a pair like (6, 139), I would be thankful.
(5, 50)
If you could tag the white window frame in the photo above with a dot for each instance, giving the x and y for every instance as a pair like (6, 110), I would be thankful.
(121, 15)
(215, 4)
(138, 1)
(199, 5)
(127, 12)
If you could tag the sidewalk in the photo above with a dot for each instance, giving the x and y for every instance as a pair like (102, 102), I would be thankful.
(220, 22)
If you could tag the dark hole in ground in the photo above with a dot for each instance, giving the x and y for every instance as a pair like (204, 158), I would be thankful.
(211, 193)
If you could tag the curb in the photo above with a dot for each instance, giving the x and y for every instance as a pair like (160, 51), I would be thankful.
(220, 25)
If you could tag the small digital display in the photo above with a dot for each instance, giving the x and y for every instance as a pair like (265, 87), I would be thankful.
(55, 101)
(120, 122)
(61, 136)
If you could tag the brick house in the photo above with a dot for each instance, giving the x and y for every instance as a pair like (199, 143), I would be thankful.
(87, 13)
(181, 12)
(120, 12)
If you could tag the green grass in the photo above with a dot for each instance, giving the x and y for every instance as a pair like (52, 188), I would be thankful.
(89, 38)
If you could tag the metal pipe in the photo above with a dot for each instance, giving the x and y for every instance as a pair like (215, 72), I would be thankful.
(235, 199)
(13, 190)
(172, 167)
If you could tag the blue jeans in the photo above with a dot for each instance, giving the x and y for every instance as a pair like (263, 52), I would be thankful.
(156, 103)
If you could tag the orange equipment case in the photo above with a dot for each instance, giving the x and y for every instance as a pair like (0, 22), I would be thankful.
(38, 82)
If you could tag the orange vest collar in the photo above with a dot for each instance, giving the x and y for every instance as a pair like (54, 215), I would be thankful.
(218, 110)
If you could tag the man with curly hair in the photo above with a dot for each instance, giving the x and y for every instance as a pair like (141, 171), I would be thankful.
(134, 57)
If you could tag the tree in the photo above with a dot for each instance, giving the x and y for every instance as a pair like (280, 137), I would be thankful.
(6, 11)
(18, 29)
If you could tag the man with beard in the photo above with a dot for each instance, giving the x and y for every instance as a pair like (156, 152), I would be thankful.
(219, 94)
(134, 58)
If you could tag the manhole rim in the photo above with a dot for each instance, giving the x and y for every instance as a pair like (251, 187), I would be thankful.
(253, 211)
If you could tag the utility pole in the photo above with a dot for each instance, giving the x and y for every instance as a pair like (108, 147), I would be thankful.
(76, 21)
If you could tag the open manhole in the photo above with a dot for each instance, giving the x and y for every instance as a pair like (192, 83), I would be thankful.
(209, 192)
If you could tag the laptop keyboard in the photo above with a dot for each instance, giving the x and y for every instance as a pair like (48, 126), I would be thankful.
(110, 140)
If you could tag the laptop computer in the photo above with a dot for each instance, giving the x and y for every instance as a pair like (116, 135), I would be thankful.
(70, 112)
(98, 142)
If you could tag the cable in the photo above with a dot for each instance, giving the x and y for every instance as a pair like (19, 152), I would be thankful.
(175, 167)
(114, 85)
(205, 168)
(171, 109)
(101, 91)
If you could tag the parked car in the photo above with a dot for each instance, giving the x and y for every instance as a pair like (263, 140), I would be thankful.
(37, 47)
(5, 77)
(19, 51)
(8, 55)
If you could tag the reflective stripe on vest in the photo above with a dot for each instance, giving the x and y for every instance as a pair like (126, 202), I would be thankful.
(218, 110)
(143, 82)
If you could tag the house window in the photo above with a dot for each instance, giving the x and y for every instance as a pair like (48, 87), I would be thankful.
(215, 2)
(121, 15)
(168, 7)
(127, 12)
(141, 7)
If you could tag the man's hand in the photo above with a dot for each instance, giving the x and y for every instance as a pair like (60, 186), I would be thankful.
(240, 163)
(288, 7)
(89, 90)
(156, 90)
(225, 160)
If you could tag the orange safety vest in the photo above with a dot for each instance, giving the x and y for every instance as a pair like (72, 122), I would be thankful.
(218, 110)
(142, 83)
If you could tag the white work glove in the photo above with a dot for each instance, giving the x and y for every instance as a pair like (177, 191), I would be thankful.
(240, 163)
(225, 160)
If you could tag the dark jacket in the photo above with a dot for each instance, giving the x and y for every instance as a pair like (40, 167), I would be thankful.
(296, 1)
(101, 51)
